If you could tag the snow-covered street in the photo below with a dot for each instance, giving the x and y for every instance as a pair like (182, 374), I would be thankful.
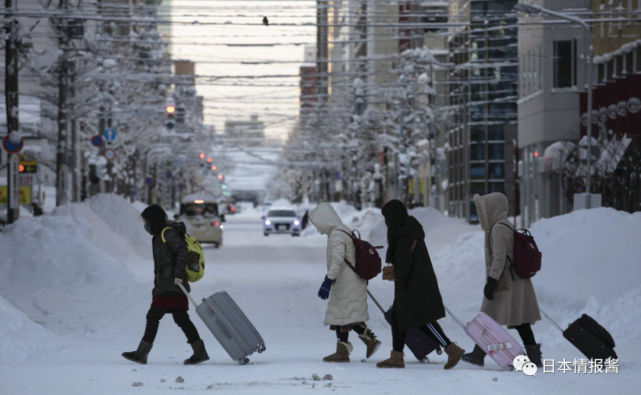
(66, 337)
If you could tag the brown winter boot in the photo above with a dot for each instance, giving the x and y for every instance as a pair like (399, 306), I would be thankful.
(369, 338)
(395, 361)
(341, 354)
(454, 355)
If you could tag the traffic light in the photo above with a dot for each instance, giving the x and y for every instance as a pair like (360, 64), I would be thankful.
(221, 177)
(209, 160)
(202, 155)
(213, 168)
(20, 168)
(170, 111)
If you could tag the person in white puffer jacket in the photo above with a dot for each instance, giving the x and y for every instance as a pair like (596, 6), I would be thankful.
(347, 292)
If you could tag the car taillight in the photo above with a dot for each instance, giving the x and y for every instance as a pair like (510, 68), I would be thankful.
(233, 209)
(216, 223)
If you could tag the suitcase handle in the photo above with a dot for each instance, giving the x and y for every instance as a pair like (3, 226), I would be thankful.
(454, 317)
(188, 295)
(551, 320)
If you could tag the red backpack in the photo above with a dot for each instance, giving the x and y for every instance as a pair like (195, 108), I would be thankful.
(527, 257)
(368, 262)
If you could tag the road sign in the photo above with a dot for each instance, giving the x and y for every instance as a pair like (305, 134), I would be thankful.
(110, 154)
(110, 134)
(12, 147)
(23, 195)
(28, 164)
(97, 141)
(149, 181)
(14, 177)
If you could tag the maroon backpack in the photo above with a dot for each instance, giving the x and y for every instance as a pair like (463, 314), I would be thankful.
(527, 257)
(368, 262)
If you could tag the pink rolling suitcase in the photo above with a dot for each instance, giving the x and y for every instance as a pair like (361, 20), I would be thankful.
(493, 338)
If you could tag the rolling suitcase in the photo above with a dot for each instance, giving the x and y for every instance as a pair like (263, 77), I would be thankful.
(589, 337)
(229, 325)
(418, 342)
(493, 339)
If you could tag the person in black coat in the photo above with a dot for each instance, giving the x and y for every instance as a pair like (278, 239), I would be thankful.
(417, 299)
(170, 262)
(305, 220)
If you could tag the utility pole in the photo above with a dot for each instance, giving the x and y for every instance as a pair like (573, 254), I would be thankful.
(62, 196)
(11, 104)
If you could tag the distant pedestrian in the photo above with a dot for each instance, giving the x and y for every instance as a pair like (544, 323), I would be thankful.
(305, 220)
(417, 298)
(347, 292)
(265, 21)
(508, 300)
(170, 262)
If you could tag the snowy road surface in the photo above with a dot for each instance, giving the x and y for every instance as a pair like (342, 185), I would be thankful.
(275, 280)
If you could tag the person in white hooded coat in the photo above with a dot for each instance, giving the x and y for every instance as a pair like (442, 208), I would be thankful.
(347, 292)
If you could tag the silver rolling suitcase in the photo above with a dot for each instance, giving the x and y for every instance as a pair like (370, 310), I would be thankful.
(229, 325)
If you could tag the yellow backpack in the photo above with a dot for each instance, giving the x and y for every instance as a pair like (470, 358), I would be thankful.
(196, 262)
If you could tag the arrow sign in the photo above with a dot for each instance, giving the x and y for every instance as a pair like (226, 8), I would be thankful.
(97, 141)
(110, 154)
(110, 134)
(12, 147)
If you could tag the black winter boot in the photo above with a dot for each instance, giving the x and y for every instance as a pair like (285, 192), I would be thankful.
(140, 355)
(200, 354)
(476, 357)
(534, 353)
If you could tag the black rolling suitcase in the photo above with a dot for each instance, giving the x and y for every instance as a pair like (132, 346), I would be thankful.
(418, 342)
(589, 337)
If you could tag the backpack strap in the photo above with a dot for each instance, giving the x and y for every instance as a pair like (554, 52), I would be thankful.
(162, 234)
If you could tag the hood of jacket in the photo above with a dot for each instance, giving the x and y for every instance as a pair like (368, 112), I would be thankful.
(324, 218)
(177, 226)
(411, 228)
(491, 208)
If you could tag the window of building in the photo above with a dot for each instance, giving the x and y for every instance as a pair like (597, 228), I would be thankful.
(629, 63)
(618, 66)
(496, 132)
(496, 151)
(477, 152)
(497, 187)
(565, 64)
(497, 171)
(609, 76)
(477, 171)
(637, 55)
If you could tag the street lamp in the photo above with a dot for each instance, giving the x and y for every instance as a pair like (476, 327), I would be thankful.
(536, 10)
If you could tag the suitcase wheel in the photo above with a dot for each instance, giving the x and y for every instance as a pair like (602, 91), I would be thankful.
(439, 351)
(261, 349)
(510, 368)
(425, 360)
(243, 361)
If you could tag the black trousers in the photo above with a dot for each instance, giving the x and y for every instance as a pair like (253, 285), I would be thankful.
(432, 330)
(359, 328)
(155, 314)
(525, 331)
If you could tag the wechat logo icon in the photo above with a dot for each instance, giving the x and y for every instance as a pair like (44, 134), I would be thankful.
(523, 364)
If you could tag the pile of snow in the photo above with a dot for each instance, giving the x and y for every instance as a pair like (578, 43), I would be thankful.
(52, 250)
(117, 227)
(590, 265)
(21, 338)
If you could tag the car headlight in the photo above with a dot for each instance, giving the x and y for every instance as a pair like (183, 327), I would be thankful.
(268, 222)
(296, 223)
(222, 227)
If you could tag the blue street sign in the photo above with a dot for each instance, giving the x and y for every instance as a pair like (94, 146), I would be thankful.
(110, 134)
(10, 146)
(149, 181)
(97, 141)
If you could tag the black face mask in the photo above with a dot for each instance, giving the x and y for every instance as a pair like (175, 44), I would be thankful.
(148, 228)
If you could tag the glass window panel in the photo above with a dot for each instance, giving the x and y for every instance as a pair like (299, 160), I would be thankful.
(496, 152)
(497, 187)
(564, 64)
(497, 171)
(477, 171)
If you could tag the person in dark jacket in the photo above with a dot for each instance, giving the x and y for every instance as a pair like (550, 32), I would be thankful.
(417, 299)
(170, 261)
(305, 220)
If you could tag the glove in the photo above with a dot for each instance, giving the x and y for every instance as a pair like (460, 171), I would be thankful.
(178, 281)
(323, 292)
(490, 286)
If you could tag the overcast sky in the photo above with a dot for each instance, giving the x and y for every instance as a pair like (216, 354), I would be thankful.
(276, 101)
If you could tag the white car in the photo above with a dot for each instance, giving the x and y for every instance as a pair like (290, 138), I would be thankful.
(281, 220)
